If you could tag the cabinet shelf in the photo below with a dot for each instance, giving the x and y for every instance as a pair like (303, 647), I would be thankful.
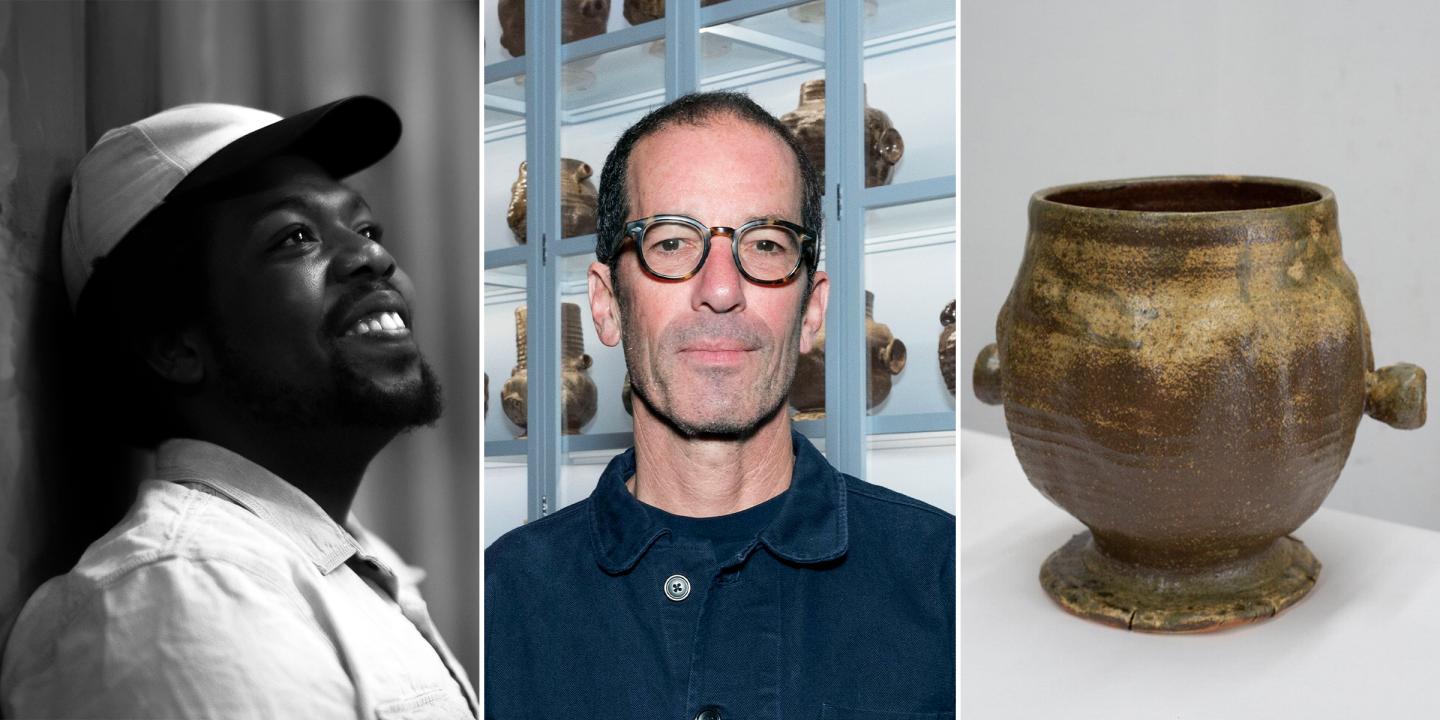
(623, 70)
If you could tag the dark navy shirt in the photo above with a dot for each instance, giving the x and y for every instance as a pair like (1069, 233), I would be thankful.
(839, 605)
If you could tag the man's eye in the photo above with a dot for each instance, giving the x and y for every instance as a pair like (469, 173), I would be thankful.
(373, 232)
(670, 244)
(767, 246)
(296, 237)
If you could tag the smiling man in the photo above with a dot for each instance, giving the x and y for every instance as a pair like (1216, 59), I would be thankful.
(722, 568)
(245, 320)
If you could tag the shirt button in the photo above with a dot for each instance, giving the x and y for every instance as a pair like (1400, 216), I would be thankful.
(677, 588)
(708, 713)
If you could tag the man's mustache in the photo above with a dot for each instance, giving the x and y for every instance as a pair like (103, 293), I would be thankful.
(734, 330)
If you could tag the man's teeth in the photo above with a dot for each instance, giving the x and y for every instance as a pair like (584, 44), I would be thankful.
(376, 322)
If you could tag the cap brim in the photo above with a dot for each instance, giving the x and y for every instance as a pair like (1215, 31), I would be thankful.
(343, 137)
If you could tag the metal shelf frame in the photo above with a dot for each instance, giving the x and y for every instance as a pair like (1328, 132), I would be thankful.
(846, 424)
(800, 58)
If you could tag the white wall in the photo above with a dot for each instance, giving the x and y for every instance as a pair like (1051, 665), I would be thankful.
(1338, 92)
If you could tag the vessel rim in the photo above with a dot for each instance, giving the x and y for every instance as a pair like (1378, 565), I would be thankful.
(1041, 198)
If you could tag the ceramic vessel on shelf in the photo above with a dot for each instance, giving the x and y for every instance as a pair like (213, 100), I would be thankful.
(577, 390)
(886, 355)
(579, 19)
(883, 145)
(643, 11)
(625, 395)
(1183, 363)
(577, 200)
(947, 346)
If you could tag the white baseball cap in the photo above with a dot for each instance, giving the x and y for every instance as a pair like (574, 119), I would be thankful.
(173, 154)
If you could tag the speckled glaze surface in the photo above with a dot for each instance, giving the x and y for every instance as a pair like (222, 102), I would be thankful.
(577, 200)
(886, 358)
(1183, 363)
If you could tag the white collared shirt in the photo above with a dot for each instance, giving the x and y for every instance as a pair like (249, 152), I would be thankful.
(227, 592)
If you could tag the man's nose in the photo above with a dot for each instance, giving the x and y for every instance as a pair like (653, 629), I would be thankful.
(360, 255)
(719, 286)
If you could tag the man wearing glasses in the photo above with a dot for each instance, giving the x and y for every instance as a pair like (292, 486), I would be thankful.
(722, 568)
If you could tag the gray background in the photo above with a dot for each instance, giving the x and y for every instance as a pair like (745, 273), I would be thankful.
(1346, 94)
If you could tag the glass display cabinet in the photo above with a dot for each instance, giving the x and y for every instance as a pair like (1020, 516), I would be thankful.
(879, 409)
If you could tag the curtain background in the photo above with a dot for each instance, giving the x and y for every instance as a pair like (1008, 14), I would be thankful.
(71, 70)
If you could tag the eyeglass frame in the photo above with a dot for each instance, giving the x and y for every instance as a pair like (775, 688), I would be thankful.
(635, 229)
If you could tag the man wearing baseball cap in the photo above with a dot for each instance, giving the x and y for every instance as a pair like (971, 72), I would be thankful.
(246, 320)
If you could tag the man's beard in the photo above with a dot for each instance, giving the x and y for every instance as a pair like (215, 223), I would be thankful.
(344, 399)
(724, 426)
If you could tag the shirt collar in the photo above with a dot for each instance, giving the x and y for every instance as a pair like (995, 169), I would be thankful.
(280, 504)
(810, 526)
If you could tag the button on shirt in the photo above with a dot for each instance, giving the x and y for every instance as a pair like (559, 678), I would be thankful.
(835, 599)
(226, 592)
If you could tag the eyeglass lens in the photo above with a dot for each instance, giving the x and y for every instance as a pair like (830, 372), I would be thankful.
(675, 249)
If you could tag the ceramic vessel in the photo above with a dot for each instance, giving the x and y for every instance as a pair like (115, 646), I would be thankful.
(513, 398)
(625, 395)
(947, 346)
(1183, 363)
(577, 390)
(883, 145)
(643, 11)
(579, 19)
(577, 200)
(886, 359)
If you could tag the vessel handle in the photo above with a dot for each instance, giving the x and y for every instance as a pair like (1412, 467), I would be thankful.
(1395, 395)
(986, 377)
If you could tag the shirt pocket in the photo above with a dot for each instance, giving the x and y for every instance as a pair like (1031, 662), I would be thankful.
(832, 712)
(432, 704)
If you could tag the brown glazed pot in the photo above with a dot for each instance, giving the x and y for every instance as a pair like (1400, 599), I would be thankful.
(886, 358)
(883, 145)
(579, 19)
(643, 11)
(577, 200)
(947, 346)
(626, 395)
(1183, 362)
(577, 390)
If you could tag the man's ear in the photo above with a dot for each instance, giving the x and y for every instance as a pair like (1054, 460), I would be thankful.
(174, 355)
(604, 305)
(814, 310)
